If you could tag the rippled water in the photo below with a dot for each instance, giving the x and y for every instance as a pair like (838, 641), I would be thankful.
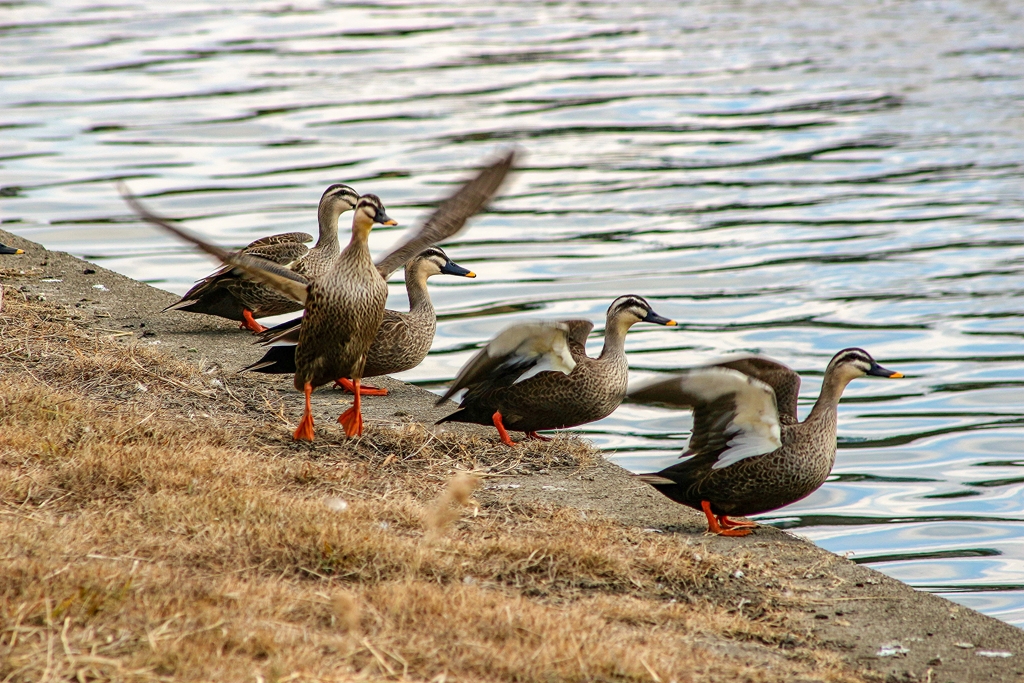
(783, 178)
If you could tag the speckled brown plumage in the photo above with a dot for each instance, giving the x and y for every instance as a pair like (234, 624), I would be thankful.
(345, 305)
(227, 294)
(755, 483)
(764, 482)
(403, 338)
(553, 399)
(344, 308)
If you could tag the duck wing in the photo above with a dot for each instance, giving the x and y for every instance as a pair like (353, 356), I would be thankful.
(781, 378)
(734, 415)
(516, 354)
(274, 275)
(579, 330)
(282, 238)
(283, 334)
(281, 251)
(451, 214)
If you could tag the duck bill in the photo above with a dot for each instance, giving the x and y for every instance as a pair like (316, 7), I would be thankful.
(384, 219)
(878, 371)
(452, 268)
(4, 249)
(653, 317)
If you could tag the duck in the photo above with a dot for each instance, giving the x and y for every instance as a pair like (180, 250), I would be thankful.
(402, 341)
(4, 249)
(345, 305)
(537, 376)
(749, 453)
(227, 294)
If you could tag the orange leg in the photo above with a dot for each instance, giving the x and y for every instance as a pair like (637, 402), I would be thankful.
(249, 323)
(352, 419)
(304, 432)
(714, 527)
(538, 437)
(345, 384)
(502, 432)
(733, 524)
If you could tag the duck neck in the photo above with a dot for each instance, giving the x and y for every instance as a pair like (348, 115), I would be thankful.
(359, 246)
(615, 337)
(416, 288)
(832, 387)
(327, 216)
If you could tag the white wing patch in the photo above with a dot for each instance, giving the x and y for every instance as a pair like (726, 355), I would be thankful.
(753, 429)
(755, 426)
(545, 342)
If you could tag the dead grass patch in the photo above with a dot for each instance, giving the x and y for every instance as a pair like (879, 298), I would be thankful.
(172, 532)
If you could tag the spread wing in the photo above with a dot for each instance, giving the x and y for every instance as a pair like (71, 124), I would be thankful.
(781, 378)
(282, 238)
(516, 354)
(734, 415)
(451, 215)
(579, 330)
(282, 253)
(255, 268)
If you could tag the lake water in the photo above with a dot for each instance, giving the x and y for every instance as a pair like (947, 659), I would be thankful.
(785, 178)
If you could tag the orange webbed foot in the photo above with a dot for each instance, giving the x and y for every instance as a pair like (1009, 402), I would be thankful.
(538, 437)
(502, 432)
(346, 384)
(304, 432)
(733, 524)
(352, 419)
(714, 527)
(249, 323)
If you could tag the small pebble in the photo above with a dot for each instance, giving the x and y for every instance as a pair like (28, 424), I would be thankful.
(891, 650)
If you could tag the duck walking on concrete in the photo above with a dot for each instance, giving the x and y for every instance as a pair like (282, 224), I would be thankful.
(537, 376)
(749, 452)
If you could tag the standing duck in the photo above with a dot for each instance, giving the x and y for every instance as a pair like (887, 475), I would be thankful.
(227, 294)
(402, 341)
(538, 376)
(750, 453)
(345, 305)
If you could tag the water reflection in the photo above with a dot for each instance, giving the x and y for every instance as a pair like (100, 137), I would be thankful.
(779, 182)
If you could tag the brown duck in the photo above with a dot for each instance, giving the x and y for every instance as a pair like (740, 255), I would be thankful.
(227, 294)
(538, 376)
(750, 453)
(402, 341)
(345, 306)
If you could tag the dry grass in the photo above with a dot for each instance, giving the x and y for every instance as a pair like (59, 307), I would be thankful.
(158, 526)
